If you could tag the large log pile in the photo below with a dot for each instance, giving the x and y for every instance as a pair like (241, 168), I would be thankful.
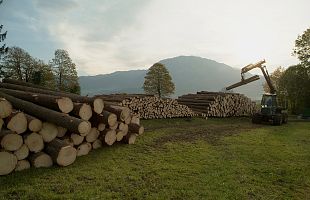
(218, 104)
(149, 106)
(41, 127)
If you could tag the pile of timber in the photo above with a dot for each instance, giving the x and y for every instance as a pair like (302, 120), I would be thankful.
(219, 104)
(150, 106)
(41, 127)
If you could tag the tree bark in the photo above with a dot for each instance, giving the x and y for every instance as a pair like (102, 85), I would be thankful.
(40, 159)
(60, 152)
(71, 123)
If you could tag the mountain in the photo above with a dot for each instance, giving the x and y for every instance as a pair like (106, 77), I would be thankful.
(189, 73)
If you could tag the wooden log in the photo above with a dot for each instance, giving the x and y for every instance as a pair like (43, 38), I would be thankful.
(16, 82)
(130, 138)
(119, 135)
(83, 149)
(48, 132)
(82, 110)
(122, 113)
(34, 142)
(101, 126)
(77, 139)
(98, 105)
(58, 103)
(92, 135)
(128, 120)
(34, 124)
(17, 122)
(10, 141)
(135, 128)
(61, 131)
(135, 120)
(71, 123)
(1, 123)
(60, 152)
(8, 162)
(5, 108)
(114, 127)
(108, 136)
(22, 153)
(40, 159)
(108, 118)
(22, 165)
(97, 144)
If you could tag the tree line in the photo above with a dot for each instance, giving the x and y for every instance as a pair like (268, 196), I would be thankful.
(293, 84)
(58, 74)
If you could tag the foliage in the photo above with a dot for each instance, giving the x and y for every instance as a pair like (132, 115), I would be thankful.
(295, 85)
(177, 159)
(3, 48)
(158, 81)
(65, 72)
(302, 48)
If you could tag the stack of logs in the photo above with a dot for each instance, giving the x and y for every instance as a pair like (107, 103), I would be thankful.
(40, 127)
(150, 106)
(219, 104)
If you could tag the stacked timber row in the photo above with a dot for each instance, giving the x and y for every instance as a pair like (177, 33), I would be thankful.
(150, 106)
(41, 127)
(219, 104)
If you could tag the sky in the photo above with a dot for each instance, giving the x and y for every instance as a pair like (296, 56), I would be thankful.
(103, 36)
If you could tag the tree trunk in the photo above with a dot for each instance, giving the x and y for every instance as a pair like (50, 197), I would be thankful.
(40, 159)
(61, 153)
(48, 132)
(82, 110)
(84, 149)
(97, 144)
(8, 162)
(122, 113)
(22, 165)
(5, 108)
(135, 128)
(34, 124)
(130, 138)
(10, 141)
(92, 135)
(77, 139)
(61, 131)
(34, 142)
(58, 103)
(71, 123)
(17, 122)
(108, 136)
(22, 153)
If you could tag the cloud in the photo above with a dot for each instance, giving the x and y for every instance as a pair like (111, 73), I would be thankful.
(56, 6)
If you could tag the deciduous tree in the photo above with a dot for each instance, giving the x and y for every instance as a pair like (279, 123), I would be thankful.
(158, 81)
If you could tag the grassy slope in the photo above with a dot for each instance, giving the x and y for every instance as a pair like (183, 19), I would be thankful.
(214, 159)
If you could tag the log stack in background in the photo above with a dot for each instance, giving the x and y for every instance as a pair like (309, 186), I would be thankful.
(219, 104)
(149, 106)
(41, 127)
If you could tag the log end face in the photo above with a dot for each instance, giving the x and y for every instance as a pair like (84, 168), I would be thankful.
(12, 142)
(66, 156)
(5, 108)
(84, 128)
(8, 162)
(98, 105)
(65, 104)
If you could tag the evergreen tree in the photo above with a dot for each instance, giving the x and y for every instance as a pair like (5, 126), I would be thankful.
(65, 72)
(3, 48)
(158, 81)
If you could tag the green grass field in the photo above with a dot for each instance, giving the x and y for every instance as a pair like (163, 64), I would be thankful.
(179, 159)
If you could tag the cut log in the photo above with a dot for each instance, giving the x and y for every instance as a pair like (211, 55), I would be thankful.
(128, 120)
(71, 123)
(8, 162)
(58, 103)
(122, 113)
(108, 118)
(1, 123)
(101, 126)
(34, 124)
(135, 120)
(92, 135)
(17, 122)
(119, 135)
(48, 132)
(61, 131)
(5, 108)
(22, 153)
(40, 159)
(76, 139)
(69, 141)
(60, 152)
(124, 128)
(23, 83)
(22, 165)
(114, 127)
(10, 141)
(98, 105)
(130, 138)
(97, 144)
(83, 149)
(135, 128)
(108, 136)
(82, 110)
(34, 142)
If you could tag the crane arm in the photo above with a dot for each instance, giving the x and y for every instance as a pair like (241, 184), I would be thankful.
(254, 78)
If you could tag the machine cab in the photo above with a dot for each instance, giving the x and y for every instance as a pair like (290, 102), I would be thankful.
(269, 104)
